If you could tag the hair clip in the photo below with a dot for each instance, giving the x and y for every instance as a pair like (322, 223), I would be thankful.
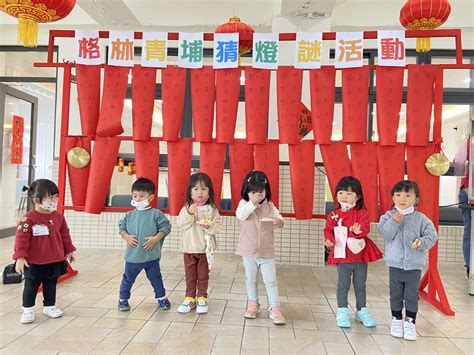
(250, 178)
(265, 180)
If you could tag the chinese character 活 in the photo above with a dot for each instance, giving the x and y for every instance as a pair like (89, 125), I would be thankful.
(309, 51)
(350, 50)
(227, 51)
(155, 49)
(89, 48)
(266, 51)
(122, 50)
(192, 50)
(392, 48)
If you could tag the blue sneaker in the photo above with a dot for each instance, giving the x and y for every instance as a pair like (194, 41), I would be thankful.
(164, 304)
(365, 317)
(343, 320)
(123, 306)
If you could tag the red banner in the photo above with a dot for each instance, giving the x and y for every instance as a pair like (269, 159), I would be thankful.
(18, 128)
(323, 93)
(179, 170)
(147, 163)
(289, 86)
(241, 163)
(212, 157)
(203, 94)
(267, 159)
(391, 166)
(88, 97)
(302, 178)
(227, 103)
(143, 101)
(257, 93)
(336, 163)
(78, 177)
(173, 85)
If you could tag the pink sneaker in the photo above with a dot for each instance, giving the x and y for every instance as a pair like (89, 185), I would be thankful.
(252, 309)
(276, 316)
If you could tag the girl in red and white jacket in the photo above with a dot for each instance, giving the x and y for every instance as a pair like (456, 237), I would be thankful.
(42, 245)
(346, 234)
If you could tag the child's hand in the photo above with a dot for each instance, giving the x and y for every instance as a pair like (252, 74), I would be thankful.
(192, 209)
(150, 242)
(328, 243)
(254, 197)
(416, 243)
(356, 228)
(71, 257)
(397, 217)
(20, 265)
(131, 240)
(279, 223)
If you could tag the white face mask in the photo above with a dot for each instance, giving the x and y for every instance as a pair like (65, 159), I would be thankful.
(141, 205)
(49, 206)
(405, 211)
(347, 206)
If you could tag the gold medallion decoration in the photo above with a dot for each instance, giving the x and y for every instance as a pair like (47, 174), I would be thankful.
(437, 164)
(78, 157)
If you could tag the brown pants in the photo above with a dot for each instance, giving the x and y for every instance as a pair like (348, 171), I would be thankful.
(196, 271)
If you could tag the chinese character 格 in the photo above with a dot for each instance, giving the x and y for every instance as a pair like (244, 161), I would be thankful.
(89, 48)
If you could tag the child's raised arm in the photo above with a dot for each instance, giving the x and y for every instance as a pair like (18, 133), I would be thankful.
(244, 209)
(185, 219)
(387, 227)
(428, 236)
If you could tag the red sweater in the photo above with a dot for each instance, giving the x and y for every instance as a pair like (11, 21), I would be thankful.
(42, 238)
(369, 253)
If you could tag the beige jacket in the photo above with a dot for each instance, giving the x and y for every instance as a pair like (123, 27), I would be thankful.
(192, 233)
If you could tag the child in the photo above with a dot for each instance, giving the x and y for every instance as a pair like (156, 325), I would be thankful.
(144, 229)
(407, 234)
(346, 233)
(199, 221)
(258, 216)
(42, 245)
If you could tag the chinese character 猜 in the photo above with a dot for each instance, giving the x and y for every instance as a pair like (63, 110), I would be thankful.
(309, 51)
(350, 50)
(89, 48)
(227, 51)
(392, 48)
(155, 49)
(122, 50)
(192, 50)
(266, 51)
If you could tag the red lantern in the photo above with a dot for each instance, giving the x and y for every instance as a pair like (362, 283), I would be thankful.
(234, 25)
(424, 15)
(30, 12)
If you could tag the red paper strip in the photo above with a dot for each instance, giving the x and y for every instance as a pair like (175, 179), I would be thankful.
(143, 101)
(323, 92)
(173, 85)
(257, 93)
(212, 157)
(227, 102)
(289, 86)
(267, 159)
(88, 97)
(391, 166)
(78, 177)
(179, 170)
(203, 93)
(336, 163)
(241, 163)
(147, 163)
(18, 128)
(302, 178)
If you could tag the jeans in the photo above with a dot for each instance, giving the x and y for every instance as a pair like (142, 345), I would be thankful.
(153, 273)
(466, 218)
(268, 270)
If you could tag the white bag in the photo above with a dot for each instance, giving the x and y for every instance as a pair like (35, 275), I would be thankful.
(340, 234)
(356, 245)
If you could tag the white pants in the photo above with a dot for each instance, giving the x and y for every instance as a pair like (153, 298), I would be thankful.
(268, 270)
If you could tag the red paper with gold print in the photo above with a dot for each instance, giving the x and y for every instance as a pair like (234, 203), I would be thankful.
(364, 168)
(113, 96)
(143, 101)
(173, 85)
(241, 163)
(257, 94)
(267, 159)
(389, 88)
(391, 167)
(302, 178)
(212, 157)
(18, 128)
(88, 97)
(355, 101)
(203, 94)
(227, 103)
(421, 79)
(147, 163)
(78, 177)
(179, 171)
(336, 163)
(289, 86)
(323, 93)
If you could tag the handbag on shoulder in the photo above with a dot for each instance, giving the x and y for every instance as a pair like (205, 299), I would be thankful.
(10, 276)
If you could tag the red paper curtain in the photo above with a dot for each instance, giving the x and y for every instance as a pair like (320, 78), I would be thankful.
(173, 85)
(111, 108)
(389, 90)
(364, 168)
(257, 93)
(18, 128)
(179, 170)
(420, 94)
(289, 86)
(203, 93)
(355, 98)
(143, 101)
(78, 177)
(302, 178)
(391, 167)
(147, 163)
(323, 92)
(88, 97)
(241, 163)
(267, 159)
(104, 159)
(212, 158)
(227, 102)
(336, 163)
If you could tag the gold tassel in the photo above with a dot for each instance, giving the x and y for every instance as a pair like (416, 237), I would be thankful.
(27, 32)
(423, 44)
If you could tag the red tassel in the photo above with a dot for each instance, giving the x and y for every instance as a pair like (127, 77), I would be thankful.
(257, 93)
(336, 163)
(143, 101)
(78, 177)
(203, 93)
(88, 96)
(173, 85)
(241, 163)
(212, 157)
(147, 161)
(302, 178)
(267, 159)
(391, 163)
(323, 92)
(289, 86)
(179, 170)
(227, 102)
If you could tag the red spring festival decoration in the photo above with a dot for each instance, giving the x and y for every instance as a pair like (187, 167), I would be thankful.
(234, 25)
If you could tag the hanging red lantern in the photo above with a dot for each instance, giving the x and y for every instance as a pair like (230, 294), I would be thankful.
(234, 25)
(30, 12)
(424, 15)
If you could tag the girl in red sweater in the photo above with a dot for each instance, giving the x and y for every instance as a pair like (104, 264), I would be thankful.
(346, 233)
(42, 245)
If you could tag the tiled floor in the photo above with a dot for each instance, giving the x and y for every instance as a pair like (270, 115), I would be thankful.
(91, 323)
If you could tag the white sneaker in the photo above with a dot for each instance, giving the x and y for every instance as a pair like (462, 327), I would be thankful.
(202, 305)
(396, 329)
(409, 330)
(52, 311)
(28, 316)
(188, 304)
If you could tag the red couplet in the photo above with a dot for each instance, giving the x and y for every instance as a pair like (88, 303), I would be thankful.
(302, 178)
(212, 157)
(227, 102)
(389, 90)
(355, 100)
(289, 86)
(257, 94)
(391, 164)
(88, 96)
(179, 170)
(203, 94)
(336, 163)
(241, 163)
(323, 92)
(113, 96)
(78, 177)
(147, 162)
(104, 159)
(173, 85)
(143, 101)
(267, 159)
